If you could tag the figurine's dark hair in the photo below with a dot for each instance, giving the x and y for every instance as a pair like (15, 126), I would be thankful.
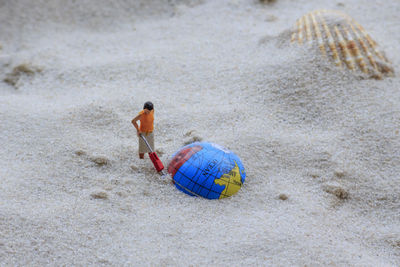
(148, 105)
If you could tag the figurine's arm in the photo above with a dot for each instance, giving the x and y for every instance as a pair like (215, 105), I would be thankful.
(134, 122)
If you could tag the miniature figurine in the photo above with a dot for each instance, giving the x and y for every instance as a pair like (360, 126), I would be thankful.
(146, 128)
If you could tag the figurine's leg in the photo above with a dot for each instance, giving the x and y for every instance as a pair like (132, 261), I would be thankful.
(142, 148)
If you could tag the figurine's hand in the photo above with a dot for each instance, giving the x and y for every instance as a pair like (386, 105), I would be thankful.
(139, 133)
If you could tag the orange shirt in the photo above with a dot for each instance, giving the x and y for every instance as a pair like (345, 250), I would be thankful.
(146, 121)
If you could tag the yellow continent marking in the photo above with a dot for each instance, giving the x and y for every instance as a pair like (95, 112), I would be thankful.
(231, 180)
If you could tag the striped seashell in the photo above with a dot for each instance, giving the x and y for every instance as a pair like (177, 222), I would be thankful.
(344, 40)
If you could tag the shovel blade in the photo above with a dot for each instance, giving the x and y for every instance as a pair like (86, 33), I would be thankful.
(156, 161)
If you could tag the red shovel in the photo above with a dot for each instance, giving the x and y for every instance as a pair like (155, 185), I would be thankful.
(154, 158)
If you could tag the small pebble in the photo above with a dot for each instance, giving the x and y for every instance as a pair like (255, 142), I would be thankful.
(189, 133)
(283, 197)
(192, 140)
(100, 161)
(341, 193)
(159, 152)
(80, 153)
(338, 191)
(339, 173)
(99, 195)
(134, 168)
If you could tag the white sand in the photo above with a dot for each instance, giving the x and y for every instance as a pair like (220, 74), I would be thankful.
(223, 71)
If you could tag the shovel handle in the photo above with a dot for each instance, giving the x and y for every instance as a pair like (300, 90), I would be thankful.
(147, 143)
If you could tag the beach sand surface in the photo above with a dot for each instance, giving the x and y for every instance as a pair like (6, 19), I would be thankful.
(320, 144)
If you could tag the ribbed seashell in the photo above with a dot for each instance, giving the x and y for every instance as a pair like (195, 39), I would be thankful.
(343, 40)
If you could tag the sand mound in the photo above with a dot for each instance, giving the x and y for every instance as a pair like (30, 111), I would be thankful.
(21, 73)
